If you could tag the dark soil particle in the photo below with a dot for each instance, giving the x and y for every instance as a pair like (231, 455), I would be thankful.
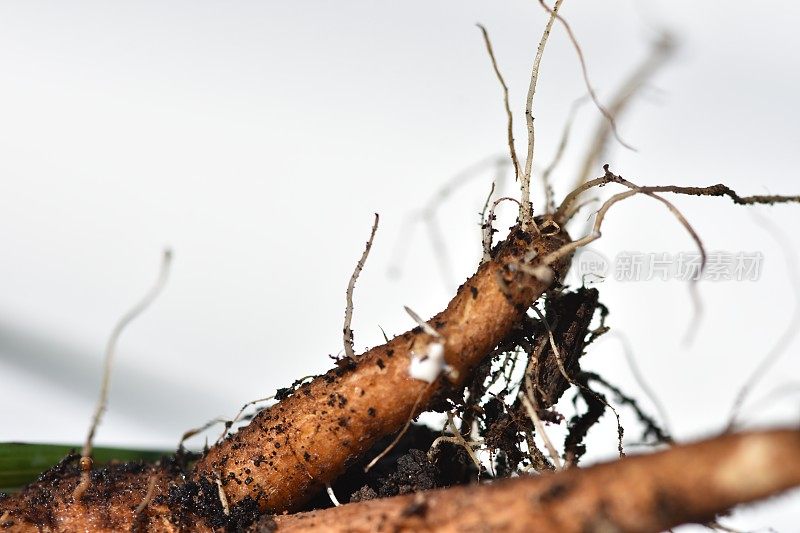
(364, 493)
(201, 498)
(502, 434)
(554, 492)
(405, 469)
(67, 465)
(283, 393)
(414, 473)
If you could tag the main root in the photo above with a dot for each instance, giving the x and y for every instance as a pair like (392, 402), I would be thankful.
(649, 493)
(292, 449)
(295, 447)
(335, 423)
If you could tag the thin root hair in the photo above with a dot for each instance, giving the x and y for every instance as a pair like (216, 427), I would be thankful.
(347, 331)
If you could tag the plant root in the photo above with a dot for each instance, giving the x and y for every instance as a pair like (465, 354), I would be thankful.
(584, 70)
(427, 216)
(347, 331)
(565, 209)
(510, 117)
(537, 423)
(292, 449)
(525, 208)
(661, 52)
(549, 194)
(649, 493)
(102, 401)
(788, 335)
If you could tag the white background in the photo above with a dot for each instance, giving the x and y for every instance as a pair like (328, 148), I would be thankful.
(257, 139)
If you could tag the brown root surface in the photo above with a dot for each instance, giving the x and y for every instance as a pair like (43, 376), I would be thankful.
(648, 493)
(111, 500)
(292, 449)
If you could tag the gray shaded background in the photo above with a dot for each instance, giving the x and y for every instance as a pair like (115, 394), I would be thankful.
(257, 139)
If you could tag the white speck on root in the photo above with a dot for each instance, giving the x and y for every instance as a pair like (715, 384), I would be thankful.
(428, 366)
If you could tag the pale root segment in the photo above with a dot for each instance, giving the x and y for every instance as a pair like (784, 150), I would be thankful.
(648, 493)
(291, 450)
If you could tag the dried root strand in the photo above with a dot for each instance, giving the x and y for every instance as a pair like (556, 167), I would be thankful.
(510, 117)
(648, 493)
(108, 364)
(427, 216)
(457, 439)
(189, 433)
(347, 332)
(723, 190)
(651, 427)
(788, 334)
(568, 208)
(488, 228)
(580, 424)
(643, 384)
(562, 147)
(414, 408)
(570, 205)
(138, 513)
(661, 51)
(564, 212)
(525, 208)
(567, 205)
(537, 423)
(584, 70)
